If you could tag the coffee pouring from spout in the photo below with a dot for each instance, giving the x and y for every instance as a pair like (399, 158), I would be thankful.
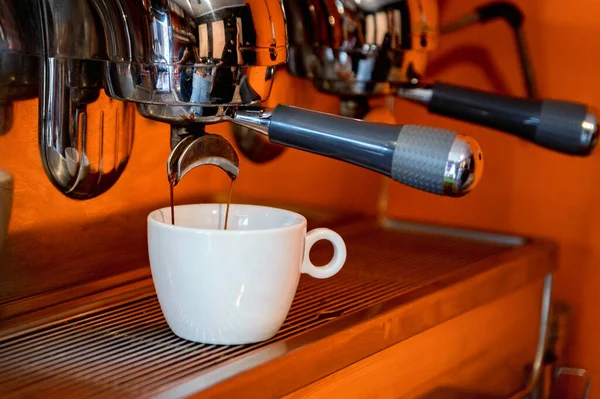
(208, 149)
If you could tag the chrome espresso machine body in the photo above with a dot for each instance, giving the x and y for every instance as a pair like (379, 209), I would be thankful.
(192, 64)
(357, 50)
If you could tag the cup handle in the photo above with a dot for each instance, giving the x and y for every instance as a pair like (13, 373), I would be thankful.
(339, 253)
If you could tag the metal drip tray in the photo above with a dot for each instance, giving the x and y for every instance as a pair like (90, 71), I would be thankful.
(127, 349)
(130, 350)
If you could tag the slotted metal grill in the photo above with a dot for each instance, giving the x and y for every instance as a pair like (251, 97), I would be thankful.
(129, 351)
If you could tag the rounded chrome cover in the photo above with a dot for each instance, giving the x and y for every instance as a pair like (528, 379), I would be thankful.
(188, 60)
(589, 133)
(361, 47)
(85, 137)
(464, 167)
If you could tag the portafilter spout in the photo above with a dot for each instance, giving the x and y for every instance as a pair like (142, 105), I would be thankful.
(208, 149)
(434, 160)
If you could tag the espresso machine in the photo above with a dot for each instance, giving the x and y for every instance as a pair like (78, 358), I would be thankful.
(194, 64)
(137, 52)
(360, 50)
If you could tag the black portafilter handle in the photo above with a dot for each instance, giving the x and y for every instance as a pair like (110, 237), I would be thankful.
(562, 126)
(434, 160)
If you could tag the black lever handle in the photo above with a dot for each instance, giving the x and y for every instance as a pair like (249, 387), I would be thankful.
(558, 125)
(433, 160)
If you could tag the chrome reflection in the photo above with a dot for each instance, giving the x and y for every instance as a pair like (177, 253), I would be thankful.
(359, 48)
(589, 132)
(180, 62)
(464, 167)
(187, 61)
(86, 138)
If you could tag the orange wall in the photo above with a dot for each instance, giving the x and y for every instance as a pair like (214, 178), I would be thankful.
(526, 189)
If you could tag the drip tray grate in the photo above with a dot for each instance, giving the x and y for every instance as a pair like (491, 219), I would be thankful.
(129, 351)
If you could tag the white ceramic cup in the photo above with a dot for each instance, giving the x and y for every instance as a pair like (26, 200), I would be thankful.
(233, 286)
(6, 195)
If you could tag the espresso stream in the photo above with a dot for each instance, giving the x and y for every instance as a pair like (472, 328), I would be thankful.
(228, 203)
(172, 186)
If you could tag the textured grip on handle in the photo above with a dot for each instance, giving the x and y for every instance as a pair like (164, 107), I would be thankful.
(421, 156)
(560, 127)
